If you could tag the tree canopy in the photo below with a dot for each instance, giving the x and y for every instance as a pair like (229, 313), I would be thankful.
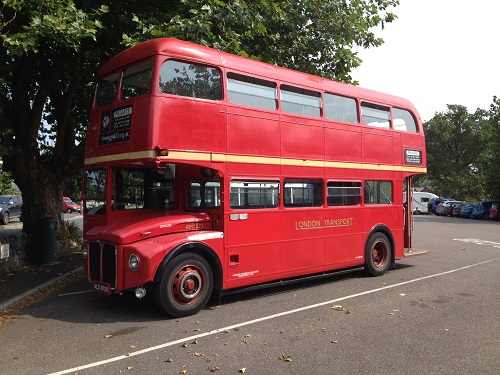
(460, 157)
(51, 50)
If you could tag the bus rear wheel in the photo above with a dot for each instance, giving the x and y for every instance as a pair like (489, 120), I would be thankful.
(378, 254)
(185, 286)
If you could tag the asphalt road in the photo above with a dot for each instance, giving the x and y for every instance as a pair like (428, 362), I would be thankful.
(434, 314)
(15, 226)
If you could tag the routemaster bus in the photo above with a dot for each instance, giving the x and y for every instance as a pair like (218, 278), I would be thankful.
(208, 173)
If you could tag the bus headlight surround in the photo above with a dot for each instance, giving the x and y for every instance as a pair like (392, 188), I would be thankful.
(133, 262)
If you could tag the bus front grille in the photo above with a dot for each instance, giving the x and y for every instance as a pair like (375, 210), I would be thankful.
(102, 263)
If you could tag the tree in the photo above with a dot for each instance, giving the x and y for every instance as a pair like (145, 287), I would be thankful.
(313, 36)
(50, 52)
(5, 182)
(493, 162)
(457, 144)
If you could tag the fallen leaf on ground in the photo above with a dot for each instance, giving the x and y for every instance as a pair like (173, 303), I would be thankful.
(286, 358)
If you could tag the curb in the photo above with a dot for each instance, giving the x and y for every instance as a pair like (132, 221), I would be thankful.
(18, 299)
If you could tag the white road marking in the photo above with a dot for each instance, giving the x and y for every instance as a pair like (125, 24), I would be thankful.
(265, 318)
(479, 242)
(72, 294)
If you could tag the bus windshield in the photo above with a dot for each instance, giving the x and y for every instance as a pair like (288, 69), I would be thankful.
(132, 189)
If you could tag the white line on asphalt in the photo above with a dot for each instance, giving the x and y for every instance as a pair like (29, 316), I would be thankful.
(269, 317)
(72, 294)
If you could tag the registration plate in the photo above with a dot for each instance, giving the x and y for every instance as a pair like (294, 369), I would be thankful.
(102, 288)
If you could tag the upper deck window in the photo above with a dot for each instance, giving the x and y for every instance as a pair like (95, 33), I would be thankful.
(251, 91)
(300, 101)
(340, 108)
(192, 80)
(107, 88)
(136, 80)
(375, 115)
(403, 120)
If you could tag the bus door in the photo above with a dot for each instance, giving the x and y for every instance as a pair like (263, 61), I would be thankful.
(408, 213)
(252, 233)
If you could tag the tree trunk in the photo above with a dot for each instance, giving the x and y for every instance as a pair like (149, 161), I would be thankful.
(42, 191)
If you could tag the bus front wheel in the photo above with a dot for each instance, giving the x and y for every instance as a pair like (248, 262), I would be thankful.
(185, 286)
(377, 255)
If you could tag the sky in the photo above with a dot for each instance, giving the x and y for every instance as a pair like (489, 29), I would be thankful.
(437, 52)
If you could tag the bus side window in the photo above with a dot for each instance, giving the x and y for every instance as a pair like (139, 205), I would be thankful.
(300, 101)
(403, 120)
(378, 192)
(252, 92)
(341, 108)
(303, 193)
(344, 193)
(375, 115)
(189, 79)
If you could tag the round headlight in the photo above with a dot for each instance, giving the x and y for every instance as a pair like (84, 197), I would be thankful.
(133, 262)
(85, 252)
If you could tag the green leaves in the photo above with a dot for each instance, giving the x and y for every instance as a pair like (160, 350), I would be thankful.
(311, 36)
(458, 145)
(31, 22)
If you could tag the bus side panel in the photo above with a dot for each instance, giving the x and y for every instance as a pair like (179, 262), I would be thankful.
(343, 143)
(344, 237)
(298, 139)
(253, 132)
(190, 124)
(377, 146)
(303, 241)
(386, 215)
(253, 246)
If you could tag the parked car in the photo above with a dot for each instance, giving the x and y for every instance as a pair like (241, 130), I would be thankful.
(445, 208)
(435, 202)
(10, 207)
(69, 206)
(457, 208)
(481, 210)
(466, 210)
(495, 211)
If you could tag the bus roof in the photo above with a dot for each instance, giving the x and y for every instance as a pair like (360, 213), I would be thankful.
(195, 52)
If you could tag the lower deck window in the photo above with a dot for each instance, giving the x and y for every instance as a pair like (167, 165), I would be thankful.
(254, 194)
(204, 194)
(141, 188)
(344, 193)
(378, 192)
(303, 193)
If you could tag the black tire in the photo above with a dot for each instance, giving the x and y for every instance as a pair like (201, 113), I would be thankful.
(5, 218)
(185, 286)
(69, 211)
(378, 255)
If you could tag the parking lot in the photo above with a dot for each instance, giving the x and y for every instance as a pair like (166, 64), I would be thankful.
(433, 314)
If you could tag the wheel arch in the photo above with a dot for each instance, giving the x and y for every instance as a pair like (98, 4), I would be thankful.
(381, 228)
(209, 254)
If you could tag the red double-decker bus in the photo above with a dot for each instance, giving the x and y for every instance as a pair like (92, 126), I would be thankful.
(207, 173)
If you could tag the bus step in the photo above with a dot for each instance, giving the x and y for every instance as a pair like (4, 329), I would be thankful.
(414, 252)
